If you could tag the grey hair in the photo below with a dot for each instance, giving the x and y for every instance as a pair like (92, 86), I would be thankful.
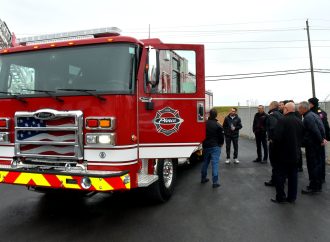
(304, 105)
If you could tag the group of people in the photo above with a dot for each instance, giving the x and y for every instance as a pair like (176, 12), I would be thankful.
(281, 134)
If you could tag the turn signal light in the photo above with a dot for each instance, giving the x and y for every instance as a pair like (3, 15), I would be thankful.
(105, 123)
(100, 123)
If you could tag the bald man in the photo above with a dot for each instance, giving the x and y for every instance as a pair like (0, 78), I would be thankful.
(288, 138)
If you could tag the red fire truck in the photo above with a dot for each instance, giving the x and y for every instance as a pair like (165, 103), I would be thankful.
(99, 112)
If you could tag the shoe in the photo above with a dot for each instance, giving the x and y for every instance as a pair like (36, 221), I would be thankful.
(216, 185)
(227, 161)
(257, 160)
(203, 181)
(270, 184)
(300, 169)
(309, 191)
(263, 162)
(292, 201)
(278, 201)
(236, 161)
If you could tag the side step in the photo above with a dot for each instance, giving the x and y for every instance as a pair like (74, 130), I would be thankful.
(146, 180)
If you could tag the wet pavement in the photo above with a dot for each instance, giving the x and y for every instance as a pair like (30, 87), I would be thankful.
(240, 210)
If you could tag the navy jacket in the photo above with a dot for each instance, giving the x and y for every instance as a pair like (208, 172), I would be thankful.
(314, 129)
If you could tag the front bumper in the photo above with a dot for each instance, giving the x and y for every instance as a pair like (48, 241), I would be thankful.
(101, 181)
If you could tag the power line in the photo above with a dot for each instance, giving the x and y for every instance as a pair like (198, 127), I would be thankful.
(259, 76)
(255, 73)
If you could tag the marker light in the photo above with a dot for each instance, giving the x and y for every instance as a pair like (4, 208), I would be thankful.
(4, 123)
(92, 123)
(105, 123)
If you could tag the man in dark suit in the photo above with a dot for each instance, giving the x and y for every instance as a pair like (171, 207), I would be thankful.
(288, 138)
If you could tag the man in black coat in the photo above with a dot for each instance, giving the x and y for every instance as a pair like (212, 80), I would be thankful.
(288, 138)
(314, 141)
(314, 107)
(231, 125)
(212, 148)
(259, 130)
(274, 115)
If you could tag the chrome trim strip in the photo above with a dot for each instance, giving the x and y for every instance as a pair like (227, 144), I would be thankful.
(58, 128)
(174, 98)
(112, 164)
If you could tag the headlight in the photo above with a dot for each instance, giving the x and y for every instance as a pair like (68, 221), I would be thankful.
(4, 137)
(104, 139)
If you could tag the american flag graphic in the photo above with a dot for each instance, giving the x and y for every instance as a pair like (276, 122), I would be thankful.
(46, 136)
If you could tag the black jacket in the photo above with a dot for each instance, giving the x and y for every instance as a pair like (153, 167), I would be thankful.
(214, 134)
(314, 129)
(324, 117)
(229, 122)
(273, 116)
(259, 123)
(288, 138)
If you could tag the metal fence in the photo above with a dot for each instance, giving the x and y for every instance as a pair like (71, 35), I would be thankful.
(247, 115)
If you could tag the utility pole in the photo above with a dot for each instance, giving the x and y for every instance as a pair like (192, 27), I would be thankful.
(310, 58)
(149, 31)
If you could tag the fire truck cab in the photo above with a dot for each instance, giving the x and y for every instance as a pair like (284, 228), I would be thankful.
(96, 111)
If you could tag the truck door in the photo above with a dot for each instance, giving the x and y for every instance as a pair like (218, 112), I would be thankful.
(171, 101)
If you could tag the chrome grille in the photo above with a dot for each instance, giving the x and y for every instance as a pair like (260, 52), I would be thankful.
(49, 133)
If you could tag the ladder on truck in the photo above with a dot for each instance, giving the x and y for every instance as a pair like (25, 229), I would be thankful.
(5, 35)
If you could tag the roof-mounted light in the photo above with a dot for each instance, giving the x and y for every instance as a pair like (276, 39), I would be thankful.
(67, 36)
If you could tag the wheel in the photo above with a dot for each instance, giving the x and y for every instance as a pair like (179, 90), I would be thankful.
(162, 190)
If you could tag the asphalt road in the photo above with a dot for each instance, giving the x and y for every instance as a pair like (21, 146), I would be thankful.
(240, 210)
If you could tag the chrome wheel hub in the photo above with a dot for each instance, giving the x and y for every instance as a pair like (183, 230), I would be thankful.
(168, 172)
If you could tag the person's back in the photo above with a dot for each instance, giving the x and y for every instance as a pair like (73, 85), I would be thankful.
(212, 148)
(289, 135)
(214, 134)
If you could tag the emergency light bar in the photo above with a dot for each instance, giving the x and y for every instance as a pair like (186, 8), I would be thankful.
(65, 36)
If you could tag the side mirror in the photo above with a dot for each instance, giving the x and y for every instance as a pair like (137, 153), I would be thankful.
(153, 67)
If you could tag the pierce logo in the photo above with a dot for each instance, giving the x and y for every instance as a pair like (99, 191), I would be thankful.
(44, 115)
(167, 121)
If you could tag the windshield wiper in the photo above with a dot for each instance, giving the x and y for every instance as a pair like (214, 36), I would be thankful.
(90, 92)
(49, 93)
(15, 95)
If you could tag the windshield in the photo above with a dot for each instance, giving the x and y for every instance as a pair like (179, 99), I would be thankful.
(107, 68)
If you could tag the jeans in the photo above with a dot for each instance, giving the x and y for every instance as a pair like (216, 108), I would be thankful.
(230, 139)
(261, 138)
(211, 155)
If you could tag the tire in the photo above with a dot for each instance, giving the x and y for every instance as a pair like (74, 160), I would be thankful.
(162, 190)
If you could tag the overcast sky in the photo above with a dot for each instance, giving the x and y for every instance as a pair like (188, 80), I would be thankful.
(240, 36)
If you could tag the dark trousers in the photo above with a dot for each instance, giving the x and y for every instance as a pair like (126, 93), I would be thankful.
(229, 140)
(300, 159)
(286, 171)
(273, 160)
(323, 163)
(314, 165)
(261, 138)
